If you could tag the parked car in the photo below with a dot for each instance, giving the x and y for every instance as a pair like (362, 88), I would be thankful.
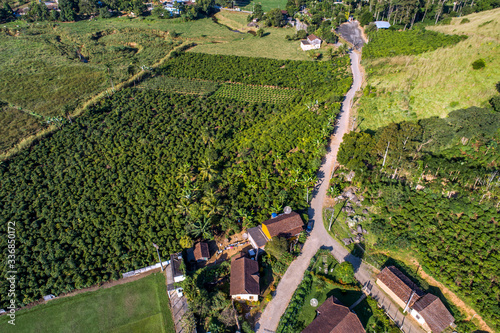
(310, 225)
(179, 292)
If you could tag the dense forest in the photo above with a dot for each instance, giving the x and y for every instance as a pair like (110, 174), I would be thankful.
(434, 188)
(150, 166)
(389, 43)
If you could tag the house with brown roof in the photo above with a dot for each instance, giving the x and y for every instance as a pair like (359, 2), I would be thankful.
(399, 287)
(286, 225)
(431, 313)
(201, 252)
(311, 43)
(427, 309)
(244, 279)
(334, 317)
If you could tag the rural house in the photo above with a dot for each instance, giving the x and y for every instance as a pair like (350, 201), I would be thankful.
(397, 285)
(431, 313)
(427, 309)
(286, 225)
(176, 264)
(332, 317)
(244, 280)
(201, 252)
(311, 43)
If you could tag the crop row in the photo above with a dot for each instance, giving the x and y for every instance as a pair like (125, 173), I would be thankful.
(181, 85)
(255, 94)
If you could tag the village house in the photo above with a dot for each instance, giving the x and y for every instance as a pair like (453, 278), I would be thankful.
(427, 309)
(201, 252)
(311, 43)
(334, 317)
(284, 225)
(176, 264)
(244, 279)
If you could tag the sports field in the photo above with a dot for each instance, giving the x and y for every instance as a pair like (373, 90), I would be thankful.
(138, 306)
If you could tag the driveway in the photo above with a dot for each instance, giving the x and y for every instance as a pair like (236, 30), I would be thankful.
(350, 32)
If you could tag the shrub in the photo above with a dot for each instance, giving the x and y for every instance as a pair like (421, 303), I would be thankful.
(465, 20)
(495, 103)
(478, 64)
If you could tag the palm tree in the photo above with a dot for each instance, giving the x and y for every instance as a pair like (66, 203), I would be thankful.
(183, 207)
(206, 170)
(201, 228)
(185, 173)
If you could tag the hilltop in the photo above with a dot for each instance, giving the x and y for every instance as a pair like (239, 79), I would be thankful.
(434, 83)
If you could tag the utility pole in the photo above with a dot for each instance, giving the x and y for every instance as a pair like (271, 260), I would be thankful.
(331, 220)
(159, 258)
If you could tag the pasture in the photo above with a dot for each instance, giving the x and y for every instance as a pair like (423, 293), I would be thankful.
(434, 83)
(138, 306)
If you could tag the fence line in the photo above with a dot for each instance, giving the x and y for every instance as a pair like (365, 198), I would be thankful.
(145, 269)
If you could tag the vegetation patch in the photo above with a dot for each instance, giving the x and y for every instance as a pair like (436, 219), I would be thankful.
(390, 43)
(130, 307)
(180, 85)
(432, 166)
(255, 94)
(16, 125)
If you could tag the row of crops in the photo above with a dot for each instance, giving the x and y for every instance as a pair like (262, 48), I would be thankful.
(181, 85)
(255, 94)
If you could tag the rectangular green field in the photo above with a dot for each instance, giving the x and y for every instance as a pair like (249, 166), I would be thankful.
(138, 306)
(255, 94)
(180, 85)
(267, 5)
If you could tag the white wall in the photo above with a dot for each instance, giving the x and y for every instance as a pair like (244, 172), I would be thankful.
(179, 278)
(246, 297)
(310, 47)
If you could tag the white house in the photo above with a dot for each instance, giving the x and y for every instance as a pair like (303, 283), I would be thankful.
(431, 313)
(311, 43)
(244, 284)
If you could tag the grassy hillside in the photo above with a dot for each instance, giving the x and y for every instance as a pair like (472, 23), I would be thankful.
(434, 83)
(138, 306)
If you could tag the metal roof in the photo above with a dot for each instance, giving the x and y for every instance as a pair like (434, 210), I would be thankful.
(382, 24)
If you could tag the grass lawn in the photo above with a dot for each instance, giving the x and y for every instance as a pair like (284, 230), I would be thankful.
(138, 306)
(266, 4)
(438, 82)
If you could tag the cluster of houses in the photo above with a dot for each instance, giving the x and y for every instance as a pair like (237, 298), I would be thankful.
(332, 315)
(427, 309)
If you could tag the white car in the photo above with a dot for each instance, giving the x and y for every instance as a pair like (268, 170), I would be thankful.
(179, 292)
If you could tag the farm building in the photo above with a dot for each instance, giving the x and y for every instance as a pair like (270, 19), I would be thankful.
(427, 309)
(333, 316)
(311, 43)
(175, 264)
(284, 225)
(431, 313)
(244, 280)
(201, 252)
(382, 24)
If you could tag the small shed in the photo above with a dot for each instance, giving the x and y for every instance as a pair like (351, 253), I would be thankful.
(201, 252)
(382, 24)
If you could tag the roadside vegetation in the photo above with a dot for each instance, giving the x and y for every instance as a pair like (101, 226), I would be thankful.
(410, 173)
(325, 277)
(137, 306)
(390, 43)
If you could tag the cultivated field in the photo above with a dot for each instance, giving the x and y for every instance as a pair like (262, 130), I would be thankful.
(255, 94)
(138, 306)
(266, 4)
(434, 83)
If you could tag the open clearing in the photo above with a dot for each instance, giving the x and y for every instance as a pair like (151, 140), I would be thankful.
(434, 83)
(138, 306)
(266, 4)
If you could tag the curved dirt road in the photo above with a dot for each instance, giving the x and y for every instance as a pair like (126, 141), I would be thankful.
(319, 236)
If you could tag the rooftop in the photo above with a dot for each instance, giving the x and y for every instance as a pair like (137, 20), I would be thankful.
(434, 312)
(201, 251)
(258, 236)
(244, 276)
(399, 284)
(175, 262)
(334, 317)
(285, 225)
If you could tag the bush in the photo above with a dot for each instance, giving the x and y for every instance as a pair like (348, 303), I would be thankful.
(465, 20)
(478, 64)
(495, 103)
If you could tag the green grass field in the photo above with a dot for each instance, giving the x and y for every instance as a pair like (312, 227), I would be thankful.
(266, 4)
(434, 83)
(138, 306)
(180, 85)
